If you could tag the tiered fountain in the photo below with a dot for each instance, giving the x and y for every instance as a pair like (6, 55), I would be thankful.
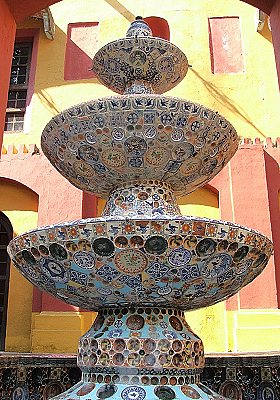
(142, 263)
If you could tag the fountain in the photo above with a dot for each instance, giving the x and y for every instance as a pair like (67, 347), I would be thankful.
(141, 264)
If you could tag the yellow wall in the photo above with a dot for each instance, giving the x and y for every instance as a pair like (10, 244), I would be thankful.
(20, 205)
(250, 100)
(201, 203)
(59, 332)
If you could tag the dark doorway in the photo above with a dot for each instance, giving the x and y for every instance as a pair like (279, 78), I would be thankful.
(6, 234)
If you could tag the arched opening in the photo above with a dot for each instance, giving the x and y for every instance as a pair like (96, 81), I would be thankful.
(203, 202)
(19, 205)
(6, 234)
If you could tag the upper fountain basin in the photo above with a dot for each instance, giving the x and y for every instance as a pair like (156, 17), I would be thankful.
(100, 144)
(157, 63)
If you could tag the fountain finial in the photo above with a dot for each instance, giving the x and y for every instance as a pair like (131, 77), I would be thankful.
(139, 28)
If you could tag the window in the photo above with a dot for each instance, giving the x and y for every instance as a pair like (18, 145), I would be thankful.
(17, 96)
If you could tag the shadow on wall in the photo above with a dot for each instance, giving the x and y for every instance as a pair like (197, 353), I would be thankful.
(226, 101)
(50, 75)
(121, 9)
(48, 102)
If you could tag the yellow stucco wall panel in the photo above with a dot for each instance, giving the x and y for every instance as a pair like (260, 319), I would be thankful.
(49, 320)
(54, 341)
(231, 333)
(210, 325)
(258, 339)
(258, 319)
(19, 313)
(253, 330)
(87, 321)
(59, 332)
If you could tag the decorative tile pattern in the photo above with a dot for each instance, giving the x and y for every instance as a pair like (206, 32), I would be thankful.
(151, 198)
(151, 338)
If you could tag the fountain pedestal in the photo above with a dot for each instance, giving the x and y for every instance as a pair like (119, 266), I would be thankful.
(137, 353)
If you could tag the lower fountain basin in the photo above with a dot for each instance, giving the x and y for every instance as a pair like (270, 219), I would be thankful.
(181, 262)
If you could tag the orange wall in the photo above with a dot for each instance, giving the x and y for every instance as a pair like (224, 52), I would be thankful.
(22, 9)
(245, 187)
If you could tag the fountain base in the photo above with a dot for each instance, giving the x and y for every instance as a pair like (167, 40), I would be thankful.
(140, 353)
(94, 391)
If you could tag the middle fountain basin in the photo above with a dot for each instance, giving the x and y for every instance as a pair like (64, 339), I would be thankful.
(101, 144)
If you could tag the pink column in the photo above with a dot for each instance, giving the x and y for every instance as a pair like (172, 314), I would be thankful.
(246, 198)
(7, 38)
(59, 202)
